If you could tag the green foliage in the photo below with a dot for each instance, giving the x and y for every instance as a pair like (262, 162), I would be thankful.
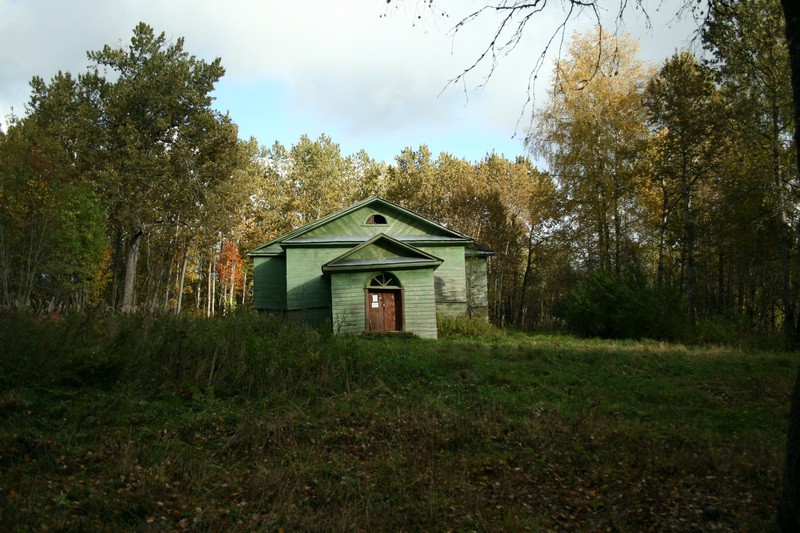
(129, 156)
(734, 330)
(605, 305)
(53, 245)
(464, 326)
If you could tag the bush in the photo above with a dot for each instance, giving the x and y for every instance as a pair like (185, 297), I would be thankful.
(606, 305)
(735, 330)
(465, 326)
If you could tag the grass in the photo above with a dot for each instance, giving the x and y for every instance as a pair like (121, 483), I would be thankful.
(247, 422)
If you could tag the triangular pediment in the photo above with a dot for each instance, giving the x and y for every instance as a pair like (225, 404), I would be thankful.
(363, 220)
(382, 251)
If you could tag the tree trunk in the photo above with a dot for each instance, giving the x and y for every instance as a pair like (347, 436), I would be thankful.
(168, 283)
(721, 280)
(182, 278)
(688, 235)
(213, 280)
(784, 237)
(116, 266)
(244, 286)
(129, 286)
(617, 235)
(789, 507)
(525, 279)
(209, 294)
(4, 268)
(233, 287)
(662, 233)
(198, 298)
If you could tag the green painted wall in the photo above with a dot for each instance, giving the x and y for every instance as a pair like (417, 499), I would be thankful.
(348, 301)
(398, 223)
(381, 248)
(306, 287)
(418, 301)
(295, 282)
(449, 279)
(315, 316)
(419, 307)
(477, 293)
(308, 295)
(269, 283)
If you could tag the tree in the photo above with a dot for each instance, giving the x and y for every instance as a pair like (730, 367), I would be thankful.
(789, 511)
(155, 98)
(231, 272)
(413, 182)
(368, 176)
(517, 207)
(685, 111)
(317, 178)
(750, 58)
(53, 248)
(591, 132)
(137, 132)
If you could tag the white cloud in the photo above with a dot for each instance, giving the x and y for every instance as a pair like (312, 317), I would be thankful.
(340, 61)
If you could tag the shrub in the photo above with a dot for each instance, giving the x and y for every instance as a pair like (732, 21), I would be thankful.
(606, 305)
(465, 326)
(735, 330)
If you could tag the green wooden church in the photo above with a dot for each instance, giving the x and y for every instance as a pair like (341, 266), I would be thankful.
(373, 266)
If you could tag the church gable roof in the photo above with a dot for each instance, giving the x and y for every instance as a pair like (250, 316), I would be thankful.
(382, 251)
(360, 221)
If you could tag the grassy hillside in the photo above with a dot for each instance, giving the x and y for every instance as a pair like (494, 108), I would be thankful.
(249, 423)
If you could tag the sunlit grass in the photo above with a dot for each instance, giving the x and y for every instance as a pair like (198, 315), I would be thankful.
(248, 422)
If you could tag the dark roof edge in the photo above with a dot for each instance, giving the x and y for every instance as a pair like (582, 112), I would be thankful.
(266, 253)
(476, 250)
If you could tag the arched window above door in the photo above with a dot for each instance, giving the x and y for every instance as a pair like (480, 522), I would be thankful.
(384, 279)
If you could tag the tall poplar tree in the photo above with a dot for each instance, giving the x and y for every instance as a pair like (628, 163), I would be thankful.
(751, 59)
(685, 111)
(154, 97)
(590, 132)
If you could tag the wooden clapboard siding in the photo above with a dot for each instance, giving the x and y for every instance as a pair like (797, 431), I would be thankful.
(378, 249)
(452, 309)
(419, 302)
(269, 285)
(306, 286)
(317, 315)
(348, 301)
(449, 278)
(320, 272)
(477, 293)
(398, 223)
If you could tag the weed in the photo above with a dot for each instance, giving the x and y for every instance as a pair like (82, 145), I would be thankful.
(465, 327)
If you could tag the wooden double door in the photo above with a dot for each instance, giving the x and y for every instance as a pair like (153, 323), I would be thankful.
(384, 310)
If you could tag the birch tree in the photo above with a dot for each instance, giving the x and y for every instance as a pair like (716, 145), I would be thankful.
(591, 132)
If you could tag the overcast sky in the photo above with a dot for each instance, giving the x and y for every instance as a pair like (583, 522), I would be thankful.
(367, 73)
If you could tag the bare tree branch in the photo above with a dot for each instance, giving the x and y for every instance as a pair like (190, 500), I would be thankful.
(514, 16)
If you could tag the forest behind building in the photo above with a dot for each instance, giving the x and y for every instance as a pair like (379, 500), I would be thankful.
(658, 200)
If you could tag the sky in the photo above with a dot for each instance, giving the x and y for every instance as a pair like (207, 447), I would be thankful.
(371, 75)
